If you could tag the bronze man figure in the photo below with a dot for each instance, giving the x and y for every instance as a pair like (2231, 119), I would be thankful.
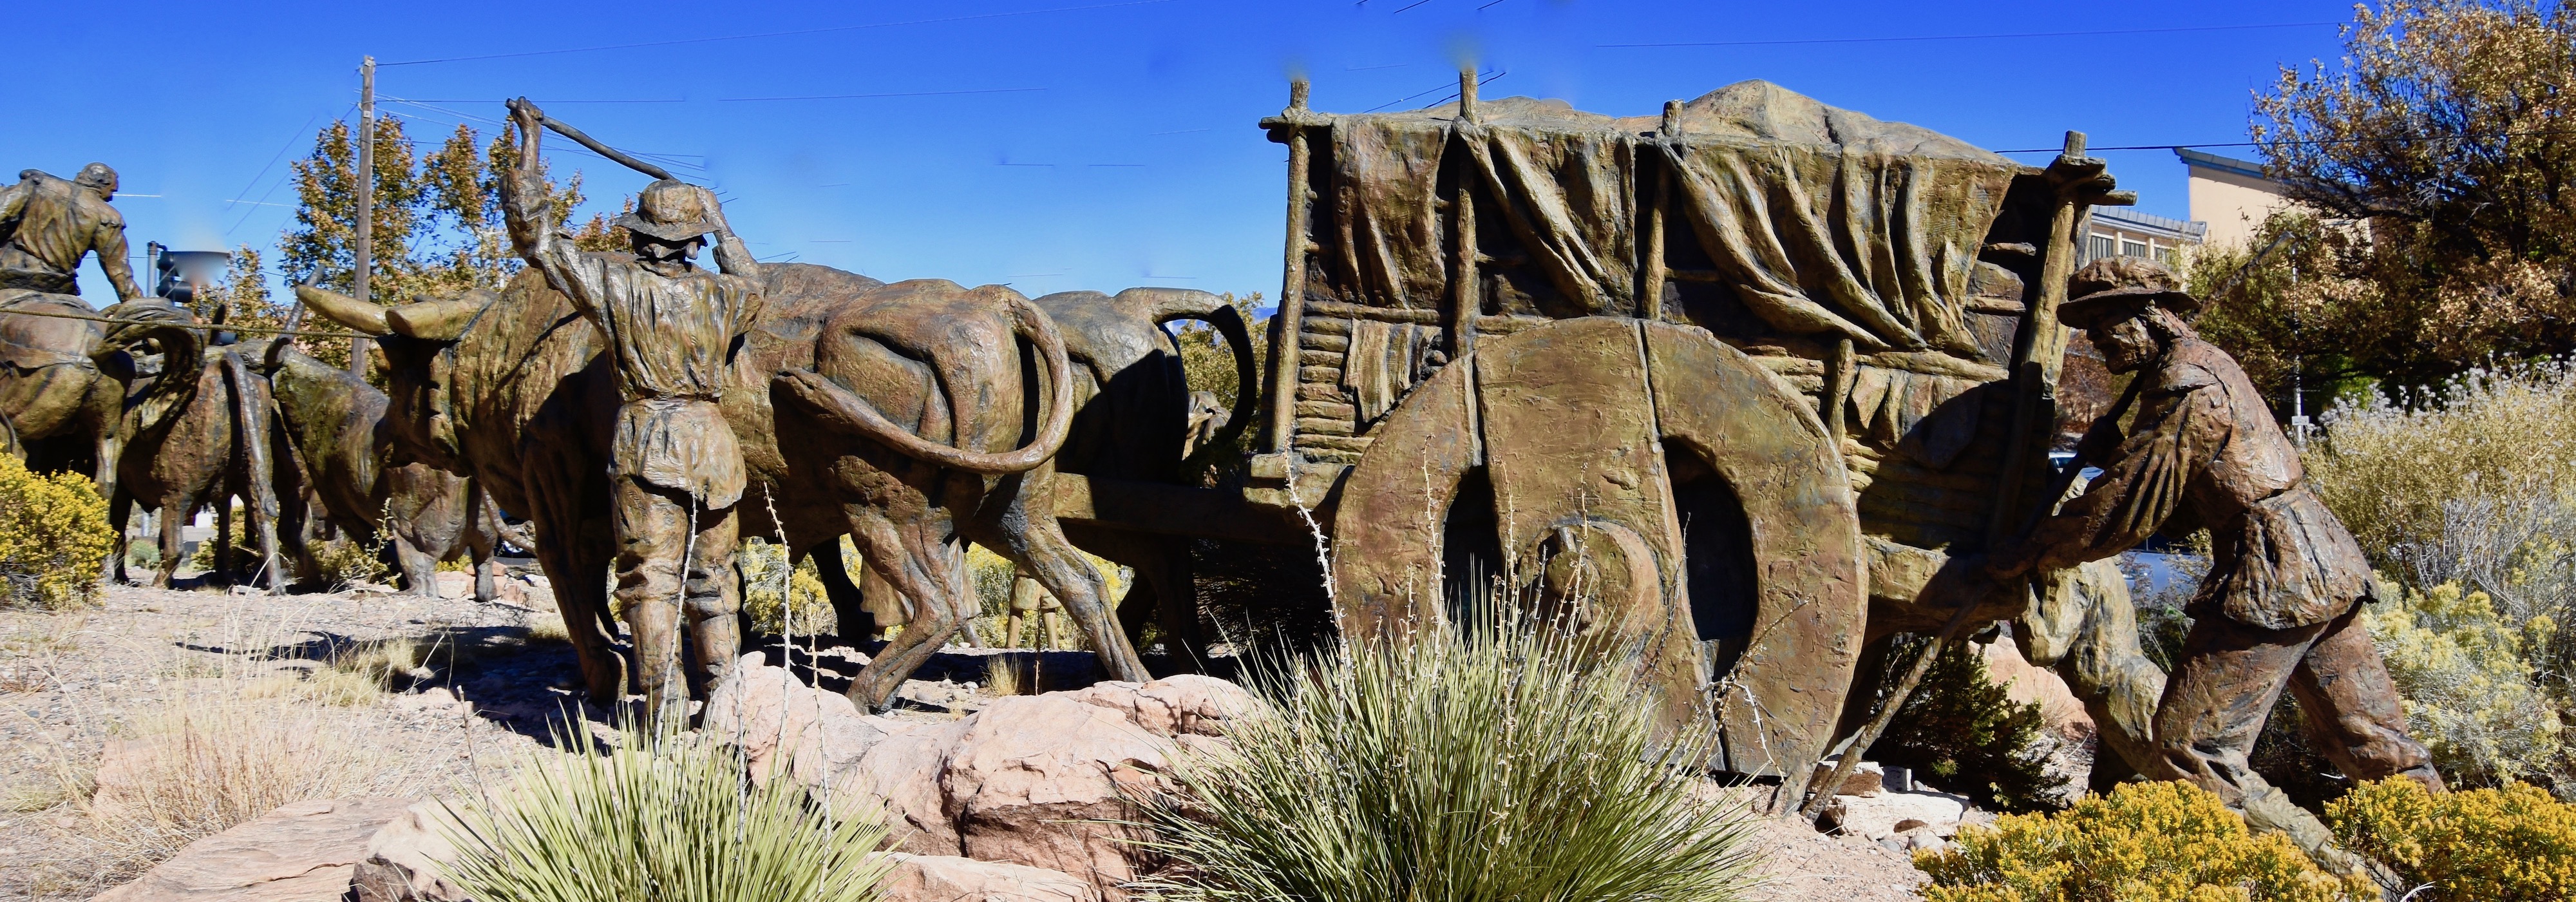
(2279, 606)
(676, 470)
(47, 225)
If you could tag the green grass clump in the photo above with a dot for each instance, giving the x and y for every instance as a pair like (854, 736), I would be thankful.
(1498, 761)
(668, 818)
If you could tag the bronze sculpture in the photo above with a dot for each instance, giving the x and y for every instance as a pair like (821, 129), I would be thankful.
(337, 442)
(214, 448)
(2287, 580)
(676, 467)
(47, 225)
(71, 391)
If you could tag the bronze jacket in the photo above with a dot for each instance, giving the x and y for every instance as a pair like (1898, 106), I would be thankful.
(47, 225)
(2204, 451)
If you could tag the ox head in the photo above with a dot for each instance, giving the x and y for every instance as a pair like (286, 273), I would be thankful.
(416, 338)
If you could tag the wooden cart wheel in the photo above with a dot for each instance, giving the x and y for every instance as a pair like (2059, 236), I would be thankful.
(1688, 494)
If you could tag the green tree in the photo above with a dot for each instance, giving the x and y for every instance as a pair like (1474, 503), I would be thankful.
(1205, 358)
(2443, 130)
(324, 236)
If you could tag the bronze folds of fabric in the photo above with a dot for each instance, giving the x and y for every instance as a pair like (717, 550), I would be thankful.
(2291, 564)
(1824, 222)
(681, 444)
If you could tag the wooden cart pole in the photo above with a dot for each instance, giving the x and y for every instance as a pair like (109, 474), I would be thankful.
(2036, 367)
(1465, 297)
(1650, 282)
(1292, 280)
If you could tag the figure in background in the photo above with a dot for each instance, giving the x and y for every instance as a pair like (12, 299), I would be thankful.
(2278, 609)
(47, 225)
(676, 470)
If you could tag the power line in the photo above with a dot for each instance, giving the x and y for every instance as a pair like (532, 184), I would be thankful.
(272, 163)
(864, 96)
(2415, 139)
(1981, 37)
(1481, 81)
(505, 99)
(775, 34)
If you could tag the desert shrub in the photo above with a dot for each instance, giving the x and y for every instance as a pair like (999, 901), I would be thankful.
(772, 592)
(53, 536)
(668, 817)
(2469, 692)
(1493, 762)
(2145, 842)
(341, 563)
(1966, 734)
(2463, 495)
(2386, 467)
(2510, 844)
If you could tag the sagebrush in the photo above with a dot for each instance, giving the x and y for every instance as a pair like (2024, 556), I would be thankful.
(54, 536)
(1499, 761)
(2509, 844)
(2145, 842)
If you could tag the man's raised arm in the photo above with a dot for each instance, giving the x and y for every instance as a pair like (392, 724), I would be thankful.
(731, 255)
(529, 211)
(109, 242)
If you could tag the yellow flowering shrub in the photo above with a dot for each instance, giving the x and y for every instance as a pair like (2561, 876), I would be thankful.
(2145, 842)
(2515, 844)
(770, 601)
(2467, 681)
(54, 536)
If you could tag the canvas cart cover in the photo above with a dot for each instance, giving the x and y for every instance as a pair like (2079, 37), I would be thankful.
(1825, 222)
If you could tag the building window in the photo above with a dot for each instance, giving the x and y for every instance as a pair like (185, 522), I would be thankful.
(2099, 246)
(2132, 248)
(2165, 254)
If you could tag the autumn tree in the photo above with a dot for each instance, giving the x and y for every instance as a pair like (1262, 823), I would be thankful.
(2438, 147)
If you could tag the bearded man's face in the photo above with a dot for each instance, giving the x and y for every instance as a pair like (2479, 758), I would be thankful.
(2125, 345)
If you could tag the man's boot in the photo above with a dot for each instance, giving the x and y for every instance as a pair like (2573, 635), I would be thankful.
(657, 662)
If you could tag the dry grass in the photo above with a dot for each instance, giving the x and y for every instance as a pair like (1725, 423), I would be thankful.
(1005, 674)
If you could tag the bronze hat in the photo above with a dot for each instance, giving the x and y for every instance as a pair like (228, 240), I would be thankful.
(2111, 289)
(671, 210)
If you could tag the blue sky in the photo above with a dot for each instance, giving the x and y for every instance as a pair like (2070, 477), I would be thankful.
(1110, 145)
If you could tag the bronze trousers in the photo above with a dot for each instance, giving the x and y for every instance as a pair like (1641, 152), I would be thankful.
(2231, 675)
(654, 533)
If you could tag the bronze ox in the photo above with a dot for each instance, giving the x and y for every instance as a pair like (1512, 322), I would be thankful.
(334, 426)
(213, 448)
(73, 391)
(912, 429)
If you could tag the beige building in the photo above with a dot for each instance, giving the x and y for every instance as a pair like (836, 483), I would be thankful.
(2123, 232)
(2231, 196)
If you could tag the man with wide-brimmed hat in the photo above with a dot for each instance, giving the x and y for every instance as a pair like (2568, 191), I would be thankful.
(48, 224)
(677, 470)
(2279, 607)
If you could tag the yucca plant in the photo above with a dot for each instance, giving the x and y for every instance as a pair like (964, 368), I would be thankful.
(1496, 761)
(668, 817)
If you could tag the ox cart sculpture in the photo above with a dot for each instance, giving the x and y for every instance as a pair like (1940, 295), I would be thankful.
(1734, 381)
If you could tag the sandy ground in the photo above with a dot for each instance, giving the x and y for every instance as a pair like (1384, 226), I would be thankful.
(72, 682)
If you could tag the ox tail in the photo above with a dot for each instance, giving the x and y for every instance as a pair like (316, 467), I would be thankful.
(844, 411)
(1168, 304)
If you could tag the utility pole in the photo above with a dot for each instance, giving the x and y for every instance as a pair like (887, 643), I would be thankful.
(366, 201)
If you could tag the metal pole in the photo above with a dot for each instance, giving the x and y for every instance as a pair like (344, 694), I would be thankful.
(363, 252)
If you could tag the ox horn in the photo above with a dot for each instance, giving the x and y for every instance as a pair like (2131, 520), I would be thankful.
(345, 310)
(437, 319)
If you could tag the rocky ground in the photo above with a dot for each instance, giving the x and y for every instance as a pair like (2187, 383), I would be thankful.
(485, 682)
